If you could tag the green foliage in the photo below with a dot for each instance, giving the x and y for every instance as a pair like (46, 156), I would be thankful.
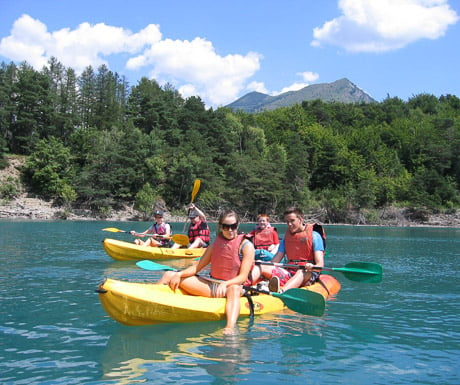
(49, 168)
(145, 199)
(98, 143)
(9, 189)
(68, 195)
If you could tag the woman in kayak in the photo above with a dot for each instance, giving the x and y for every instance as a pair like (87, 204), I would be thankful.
(231, 257)
(160, 233)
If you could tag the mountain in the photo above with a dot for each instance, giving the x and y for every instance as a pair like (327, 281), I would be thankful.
(339, 91)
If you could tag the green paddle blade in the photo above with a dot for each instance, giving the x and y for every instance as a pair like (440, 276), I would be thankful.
(303, 301)
(362, 271)
(153, 266)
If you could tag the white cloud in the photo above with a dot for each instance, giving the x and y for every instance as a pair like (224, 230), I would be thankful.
(258, 87)
(215, 78)
(384, 25)
(86, 45)
(293, 87)
(193, 67)
(307, 78)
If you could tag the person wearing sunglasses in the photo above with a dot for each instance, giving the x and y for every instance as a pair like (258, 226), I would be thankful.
(303, 245)
(160, 233)
(231, 257)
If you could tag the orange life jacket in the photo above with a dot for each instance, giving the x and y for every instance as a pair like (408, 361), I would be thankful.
(263, 239)
(299, 246)
(226, 257)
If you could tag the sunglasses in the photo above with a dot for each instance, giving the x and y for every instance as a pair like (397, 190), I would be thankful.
(232, 226)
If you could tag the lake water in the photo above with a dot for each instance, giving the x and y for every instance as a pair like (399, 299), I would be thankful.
(404, 330)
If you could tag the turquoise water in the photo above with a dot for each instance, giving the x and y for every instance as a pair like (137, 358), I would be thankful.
(404, 330)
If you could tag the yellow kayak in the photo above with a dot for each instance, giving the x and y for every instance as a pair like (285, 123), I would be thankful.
(126, 251)
(135, 304)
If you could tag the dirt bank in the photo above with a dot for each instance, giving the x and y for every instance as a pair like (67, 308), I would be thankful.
(24, 206)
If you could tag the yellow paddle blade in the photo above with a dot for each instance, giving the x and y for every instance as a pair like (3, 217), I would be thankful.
(196, 188)
(113, 230)
(181, 239)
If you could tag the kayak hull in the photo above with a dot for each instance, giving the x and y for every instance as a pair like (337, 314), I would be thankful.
(126, 251)
(135, 304)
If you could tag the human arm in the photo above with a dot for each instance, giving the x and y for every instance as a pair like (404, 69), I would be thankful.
(144, 233)
(318, 252)
(200, 213)
(280, 253)
(191, 270)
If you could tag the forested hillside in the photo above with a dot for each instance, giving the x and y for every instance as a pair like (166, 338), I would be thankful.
(94, 141)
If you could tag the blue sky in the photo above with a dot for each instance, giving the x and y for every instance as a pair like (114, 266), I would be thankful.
(221, 50)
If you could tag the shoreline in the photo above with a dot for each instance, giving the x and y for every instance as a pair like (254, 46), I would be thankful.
(25, 207)
(34, 209)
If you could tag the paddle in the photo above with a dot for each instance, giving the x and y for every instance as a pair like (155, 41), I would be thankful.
(153, 266)
(196, 188)
(180, 239)
(299, 300)
(369, 272)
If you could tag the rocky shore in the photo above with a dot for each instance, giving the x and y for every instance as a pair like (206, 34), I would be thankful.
(24, 207)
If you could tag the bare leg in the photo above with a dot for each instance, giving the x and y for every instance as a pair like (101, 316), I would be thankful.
(297, 280)
(261, 272)
(196, 244)
(232, 308)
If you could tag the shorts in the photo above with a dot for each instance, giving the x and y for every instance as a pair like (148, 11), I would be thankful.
(214, 284)
(285, 275)
(313, 278)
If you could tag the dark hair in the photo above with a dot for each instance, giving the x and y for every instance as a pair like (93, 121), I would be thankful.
(293, 210)
(228, 213)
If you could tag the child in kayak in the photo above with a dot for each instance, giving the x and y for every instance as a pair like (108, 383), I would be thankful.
(161, 233)
(265, 238)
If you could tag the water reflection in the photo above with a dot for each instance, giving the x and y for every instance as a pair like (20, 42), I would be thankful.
(204, 354)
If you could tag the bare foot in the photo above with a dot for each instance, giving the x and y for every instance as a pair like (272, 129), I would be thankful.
(230, 331)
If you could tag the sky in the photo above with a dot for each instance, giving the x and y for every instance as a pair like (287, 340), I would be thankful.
(220, 50)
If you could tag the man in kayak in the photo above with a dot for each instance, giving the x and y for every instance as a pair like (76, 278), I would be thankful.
(231, 257)
(198, 231)
(302, 246)
(265, 238)
(160, 233)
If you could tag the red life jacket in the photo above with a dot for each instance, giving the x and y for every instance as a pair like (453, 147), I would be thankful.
(265, 238)
(299, 246)
(226, 257)
(199, 230)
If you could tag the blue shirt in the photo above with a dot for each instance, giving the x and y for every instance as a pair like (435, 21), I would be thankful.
(318, 243)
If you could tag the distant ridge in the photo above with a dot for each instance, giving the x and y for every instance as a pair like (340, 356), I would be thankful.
(339, 91)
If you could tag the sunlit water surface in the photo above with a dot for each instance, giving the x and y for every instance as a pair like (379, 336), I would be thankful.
(404, 330)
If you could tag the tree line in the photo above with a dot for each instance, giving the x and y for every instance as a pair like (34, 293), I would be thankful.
(94, 141)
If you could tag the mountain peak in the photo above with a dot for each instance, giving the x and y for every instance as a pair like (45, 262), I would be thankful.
(342, 90)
